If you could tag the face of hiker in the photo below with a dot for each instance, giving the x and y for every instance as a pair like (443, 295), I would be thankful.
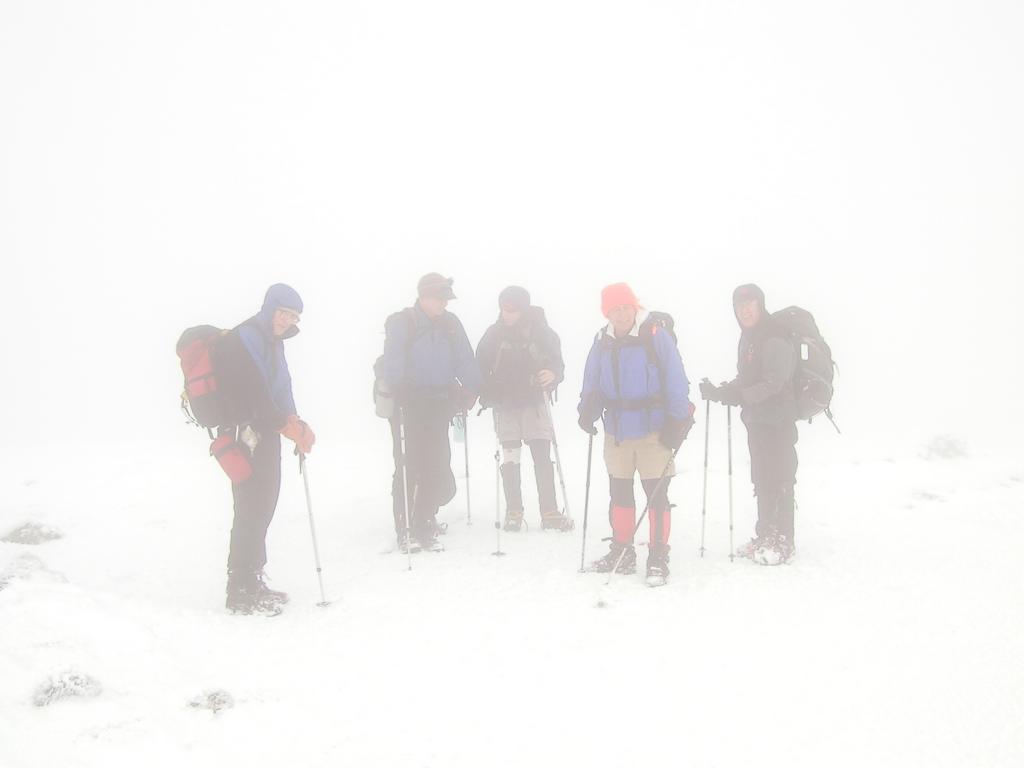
(622, 319)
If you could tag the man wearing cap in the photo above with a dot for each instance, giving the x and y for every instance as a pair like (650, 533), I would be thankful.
(252, 366)
(520, 361)
(763, 388)
(428, 363)
(634, 379)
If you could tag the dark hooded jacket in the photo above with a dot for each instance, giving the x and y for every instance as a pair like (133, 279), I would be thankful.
(509, 357)
(766, 362)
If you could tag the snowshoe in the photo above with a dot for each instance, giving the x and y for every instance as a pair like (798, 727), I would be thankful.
(607, 563)
(556, 521)
(514, 521)
(429, 542)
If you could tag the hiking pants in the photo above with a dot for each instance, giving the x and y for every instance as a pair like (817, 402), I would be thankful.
(773, 464)
(255, 502)
(430, 483)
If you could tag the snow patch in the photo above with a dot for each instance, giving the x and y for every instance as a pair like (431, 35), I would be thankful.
(27, 566)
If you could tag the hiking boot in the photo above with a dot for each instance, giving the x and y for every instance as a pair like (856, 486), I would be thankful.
(267, 592)
(657, 566)
(514, 520)
(407, 544)
(769, 553)
(246, 594)
(607, 563)
(785, 547)
(555, 521)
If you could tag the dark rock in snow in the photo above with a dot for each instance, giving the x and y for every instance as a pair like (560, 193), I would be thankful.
(214, 701)
(32, 533)
(64, 686)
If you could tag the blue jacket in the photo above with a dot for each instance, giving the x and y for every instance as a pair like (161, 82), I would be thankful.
(631, 392)
(424, 359)
(257, 334)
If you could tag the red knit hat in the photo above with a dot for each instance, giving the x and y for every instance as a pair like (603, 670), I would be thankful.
(617, 295)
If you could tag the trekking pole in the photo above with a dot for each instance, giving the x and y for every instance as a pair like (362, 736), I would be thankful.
(704, 504)
(650, 500)
(405, 485)
(586, 505)
(497, 494)
(728, 417)
(312, 527)
(558, 458)
(465, 443)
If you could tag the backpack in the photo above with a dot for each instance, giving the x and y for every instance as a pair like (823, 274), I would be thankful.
(203, 400)
(815, 368)
(383, 397)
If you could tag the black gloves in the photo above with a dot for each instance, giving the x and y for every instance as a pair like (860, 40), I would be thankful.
(726, 394)
(674, 432)
(587, 424)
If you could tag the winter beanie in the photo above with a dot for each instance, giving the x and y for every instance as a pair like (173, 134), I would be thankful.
(514, 298)
(617, 295)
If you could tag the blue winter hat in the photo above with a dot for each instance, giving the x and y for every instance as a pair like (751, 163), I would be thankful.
(281, 296)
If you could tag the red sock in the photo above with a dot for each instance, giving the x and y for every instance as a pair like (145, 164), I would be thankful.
(666, 526)
(623, 523)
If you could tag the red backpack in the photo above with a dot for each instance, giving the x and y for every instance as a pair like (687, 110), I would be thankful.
(204, 400)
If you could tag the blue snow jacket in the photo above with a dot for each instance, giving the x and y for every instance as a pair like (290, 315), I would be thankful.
(427, 359)
(257, 334)
(631, 391)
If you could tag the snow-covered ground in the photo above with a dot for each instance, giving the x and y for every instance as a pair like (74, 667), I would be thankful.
(891, 640)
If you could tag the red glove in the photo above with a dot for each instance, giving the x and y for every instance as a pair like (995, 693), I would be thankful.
(300, 433)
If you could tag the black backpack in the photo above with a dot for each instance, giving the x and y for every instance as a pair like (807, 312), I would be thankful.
(815, 368)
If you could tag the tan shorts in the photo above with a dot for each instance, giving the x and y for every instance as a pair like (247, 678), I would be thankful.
(528, 422)
(645, 455)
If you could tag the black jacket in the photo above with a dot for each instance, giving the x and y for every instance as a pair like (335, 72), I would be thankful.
(510, 357)
(765, 365)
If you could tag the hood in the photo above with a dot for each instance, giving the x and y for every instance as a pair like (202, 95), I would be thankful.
(746, 292)
(279, 296)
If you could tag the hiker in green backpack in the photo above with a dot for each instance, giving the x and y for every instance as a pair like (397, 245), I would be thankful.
(520, 361)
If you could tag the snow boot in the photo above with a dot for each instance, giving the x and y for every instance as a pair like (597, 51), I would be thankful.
(514, 521)
(657, 566)
(774, 550)
(267, 592)
(246, 594)
(554, 520)
(607, 563)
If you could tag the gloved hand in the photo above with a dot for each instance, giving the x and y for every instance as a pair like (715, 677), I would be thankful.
(708, 390)
(587, 424)
(462, 399)
(300, 433)
(724, 394)
(674, 432)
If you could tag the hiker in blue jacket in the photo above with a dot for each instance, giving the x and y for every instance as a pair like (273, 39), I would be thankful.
(430, 367)
(634, 379)
(254, 369)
